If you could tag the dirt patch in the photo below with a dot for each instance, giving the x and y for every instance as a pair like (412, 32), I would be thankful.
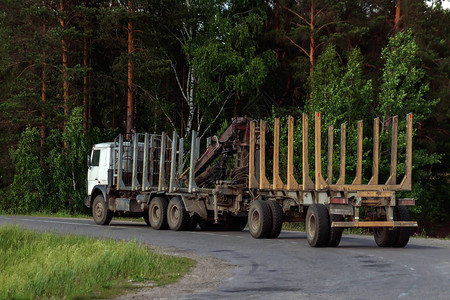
(206, 276)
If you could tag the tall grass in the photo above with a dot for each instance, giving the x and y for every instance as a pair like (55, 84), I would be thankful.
(43, 265)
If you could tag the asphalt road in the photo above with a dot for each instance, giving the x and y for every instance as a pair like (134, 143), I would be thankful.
(287, 267)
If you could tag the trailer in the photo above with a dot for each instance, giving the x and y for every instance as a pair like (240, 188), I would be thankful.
(227, 187)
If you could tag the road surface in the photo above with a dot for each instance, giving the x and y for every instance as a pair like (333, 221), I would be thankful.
(287, 267)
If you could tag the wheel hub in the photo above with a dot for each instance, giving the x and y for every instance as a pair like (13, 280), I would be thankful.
(255, 220)
(98, 210)
(156, 213)
(175, 213)
(312, 225)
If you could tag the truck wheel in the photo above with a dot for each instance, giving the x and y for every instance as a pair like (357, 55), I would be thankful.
(277, 218)
(177, 216)
(403, 233)
(317, 225)
(259, 219)
(335, 232)
(384, 237)
(101, 214)
(157, 213)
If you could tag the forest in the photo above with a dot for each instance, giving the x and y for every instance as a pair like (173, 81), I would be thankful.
(77, 72)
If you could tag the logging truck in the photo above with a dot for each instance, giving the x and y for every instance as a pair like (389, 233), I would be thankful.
(226, 186)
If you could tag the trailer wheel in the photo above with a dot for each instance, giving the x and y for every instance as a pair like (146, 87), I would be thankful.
(403, 233)
(335, 232)
(157, 213)
(259, 219)
(177, 216)
(384, 237)
(317, 225)
(101, 214)
(277, 218)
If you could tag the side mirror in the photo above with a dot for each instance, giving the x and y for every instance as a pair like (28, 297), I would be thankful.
(88, 161)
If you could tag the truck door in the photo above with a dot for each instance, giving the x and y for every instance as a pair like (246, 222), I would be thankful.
(94, 168)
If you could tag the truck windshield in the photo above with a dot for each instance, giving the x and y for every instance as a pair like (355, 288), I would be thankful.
(95, 158)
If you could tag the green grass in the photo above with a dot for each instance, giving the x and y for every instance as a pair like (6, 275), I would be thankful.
(295, 226)
(43, 265)
(64, 214)
(60, 214)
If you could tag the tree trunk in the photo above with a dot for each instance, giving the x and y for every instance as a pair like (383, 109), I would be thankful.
(312, 48)
(85, 77)
(44, 87)
(397, 19)
(114, 110)
(65, 63)
(236, 101)
(190, 99)
(130, 102)
(89, 93)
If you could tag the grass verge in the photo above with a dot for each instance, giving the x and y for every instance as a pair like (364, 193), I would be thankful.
(44, 265)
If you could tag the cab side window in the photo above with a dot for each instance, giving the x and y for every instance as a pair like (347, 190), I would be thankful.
(95, 158)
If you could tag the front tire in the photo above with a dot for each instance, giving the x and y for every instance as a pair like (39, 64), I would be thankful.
(177, 216)
(259, 219)
(101, 214)
(157, 213)
(317, 225)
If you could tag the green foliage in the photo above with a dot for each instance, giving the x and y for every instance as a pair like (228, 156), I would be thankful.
(28, 190)
(404, 89)
(51, 179)
(340, 93)
(43, 265)
(224, 53)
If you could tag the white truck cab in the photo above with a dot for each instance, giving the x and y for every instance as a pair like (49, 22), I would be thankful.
(100, 162)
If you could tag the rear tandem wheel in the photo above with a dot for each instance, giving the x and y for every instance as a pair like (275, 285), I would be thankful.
(317, 225)
(177, 215)
(157, 213)
(259, 219)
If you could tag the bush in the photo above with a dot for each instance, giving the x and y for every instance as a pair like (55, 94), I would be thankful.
(51, 178)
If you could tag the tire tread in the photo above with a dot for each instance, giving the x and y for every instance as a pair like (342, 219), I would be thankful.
(277, 219)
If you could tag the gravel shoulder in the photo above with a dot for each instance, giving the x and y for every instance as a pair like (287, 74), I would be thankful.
(207, 275)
